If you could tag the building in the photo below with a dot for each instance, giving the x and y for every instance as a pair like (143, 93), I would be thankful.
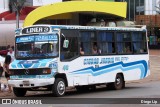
(4, 5)
(41, 2)
(8, 18)
(102, 9)
(75, 11)
(142, 7)
(146, 12)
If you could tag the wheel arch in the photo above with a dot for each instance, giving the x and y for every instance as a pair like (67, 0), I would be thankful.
(63, 76)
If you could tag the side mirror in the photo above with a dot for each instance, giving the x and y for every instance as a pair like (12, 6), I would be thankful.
(65, 43)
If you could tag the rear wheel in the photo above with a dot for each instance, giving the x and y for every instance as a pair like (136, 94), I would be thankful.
(59, 87)
(19, 92)
(118, 84)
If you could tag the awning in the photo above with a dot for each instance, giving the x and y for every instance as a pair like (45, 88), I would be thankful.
(113, 8)
(12, 16)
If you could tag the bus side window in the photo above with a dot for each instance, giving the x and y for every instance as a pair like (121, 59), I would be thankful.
(81, 50)
(123, 43)
(67, 53)
(106, 42)
(139, 42)
(85, 42)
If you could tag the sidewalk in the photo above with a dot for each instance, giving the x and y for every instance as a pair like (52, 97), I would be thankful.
(154, 52)
(154, 68)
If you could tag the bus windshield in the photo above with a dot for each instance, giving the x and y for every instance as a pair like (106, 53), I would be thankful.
(37, 46)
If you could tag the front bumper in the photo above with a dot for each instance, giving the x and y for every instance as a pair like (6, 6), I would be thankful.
(29, 83)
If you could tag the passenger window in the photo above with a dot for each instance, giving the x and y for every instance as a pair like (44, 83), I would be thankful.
(124, 45)
(106, 42)
(85, 38)
(72, 50)
(139, 42)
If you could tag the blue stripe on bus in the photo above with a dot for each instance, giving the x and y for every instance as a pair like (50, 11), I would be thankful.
(142, 65)
(20, 64)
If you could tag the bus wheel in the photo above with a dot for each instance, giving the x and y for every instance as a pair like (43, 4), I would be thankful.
(118, 84)
(19, 92)
(59, 87)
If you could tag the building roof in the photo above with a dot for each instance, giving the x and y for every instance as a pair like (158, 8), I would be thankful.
(12, 16)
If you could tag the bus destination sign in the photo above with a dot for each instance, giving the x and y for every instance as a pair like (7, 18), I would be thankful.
(36, 29)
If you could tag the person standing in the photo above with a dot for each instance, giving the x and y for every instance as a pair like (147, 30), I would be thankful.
(1, 72)
(6, 69)
(11, 53)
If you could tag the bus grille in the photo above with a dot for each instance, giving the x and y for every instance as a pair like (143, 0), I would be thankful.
(39, 71)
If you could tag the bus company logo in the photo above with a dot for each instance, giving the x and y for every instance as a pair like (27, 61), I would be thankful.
(6, 101)
(26, 71)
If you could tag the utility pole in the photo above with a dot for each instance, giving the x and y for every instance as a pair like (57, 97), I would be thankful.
(17, 17)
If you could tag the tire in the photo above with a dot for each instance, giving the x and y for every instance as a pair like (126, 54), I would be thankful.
(19, 92)
(59, 87)
(118, 84)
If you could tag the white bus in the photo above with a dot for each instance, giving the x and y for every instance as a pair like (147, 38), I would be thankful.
(56, 57)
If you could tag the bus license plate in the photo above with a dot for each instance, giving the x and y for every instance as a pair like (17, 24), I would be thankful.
(26, 83)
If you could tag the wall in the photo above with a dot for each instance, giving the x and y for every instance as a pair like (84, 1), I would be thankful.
(150, 6)
(29, 3)
(149, 20)
(7, 35)
(44, 2)
(4, 6)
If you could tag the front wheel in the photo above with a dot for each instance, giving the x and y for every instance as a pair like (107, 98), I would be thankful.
(59, 87)
(19, 92)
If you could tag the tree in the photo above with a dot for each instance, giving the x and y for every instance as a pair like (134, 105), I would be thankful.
(16, 6)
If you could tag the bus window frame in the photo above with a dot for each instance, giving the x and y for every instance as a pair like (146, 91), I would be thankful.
(125, 53)
(34, 42)
(75, 57)
(90, 42)
(147, 48)
(114, 41)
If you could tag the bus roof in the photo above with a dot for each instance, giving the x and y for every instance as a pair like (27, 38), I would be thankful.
(126, 28)
(50, 28)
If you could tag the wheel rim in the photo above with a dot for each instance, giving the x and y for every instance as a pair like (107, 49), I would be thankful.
(61, 87)
(118, 81)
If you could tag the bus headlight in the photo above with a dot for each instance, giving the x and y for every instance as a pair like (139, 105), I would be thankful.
(46, 71)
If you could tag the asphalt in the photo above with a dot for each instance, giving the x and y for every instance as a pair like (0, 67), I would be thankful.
(154, 76)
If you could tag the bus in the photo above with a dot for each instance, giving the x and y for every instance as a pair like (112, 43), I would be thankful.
(54, 57)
